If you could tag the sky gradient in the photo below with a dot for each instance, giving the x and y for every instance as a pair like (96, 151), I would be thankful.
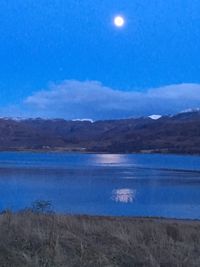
(72, 49)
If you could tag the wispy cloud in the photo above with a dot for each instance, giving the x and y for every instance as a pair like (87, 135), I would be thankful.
(73, 99)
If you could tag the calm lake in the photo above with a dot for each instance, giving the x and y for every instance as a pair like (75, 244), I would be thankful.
(103, 184)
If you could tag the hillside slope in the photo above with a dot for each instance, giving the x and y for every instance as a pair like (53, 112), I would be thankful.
(170, 134)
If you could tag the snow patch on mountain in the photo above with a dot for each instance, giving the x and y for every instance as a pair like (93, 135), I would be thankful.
(155, 117)
(13, 118)
(189, 110)
(89, 120)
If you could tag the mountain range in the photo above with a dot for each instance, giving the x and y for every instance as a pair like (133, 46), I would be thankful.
(162, 134)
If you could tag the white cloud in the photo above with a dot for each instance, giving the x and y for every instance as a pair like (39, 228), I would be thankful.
(73, 99)
(178, 91)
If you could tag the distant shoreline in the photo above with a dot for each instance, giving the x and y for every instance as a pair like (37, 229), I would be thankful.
(150, 152)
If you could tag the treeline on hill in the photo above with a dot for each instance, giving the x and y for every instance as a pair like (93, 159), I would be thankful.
(169, 134)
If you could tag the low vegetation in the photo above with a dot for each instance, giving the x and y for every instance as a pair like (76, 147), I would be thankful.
(38, 238)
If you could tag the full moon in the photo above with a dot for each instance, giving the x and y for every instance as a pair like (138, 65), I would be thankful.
(119, 21)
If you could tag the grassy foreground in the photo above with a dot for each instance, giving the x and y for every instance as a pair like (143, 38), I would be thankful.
(36, 239)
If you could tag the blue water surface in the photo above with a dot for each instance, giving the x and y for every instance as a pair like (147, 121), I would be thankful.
(102, 184)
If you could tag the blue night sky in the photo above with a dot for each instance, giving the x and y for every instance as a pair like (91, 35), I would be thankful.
(66, 58)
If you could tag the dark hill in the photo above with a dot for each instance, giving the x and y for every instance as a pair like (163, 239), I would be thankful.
(169, 134)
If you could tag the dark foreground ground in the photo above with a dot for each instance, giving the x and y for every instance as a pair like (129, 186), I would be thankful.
(31, 239)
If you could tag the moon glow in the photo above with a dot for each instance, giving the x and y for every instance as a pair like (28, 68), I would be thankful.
(119, 21)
